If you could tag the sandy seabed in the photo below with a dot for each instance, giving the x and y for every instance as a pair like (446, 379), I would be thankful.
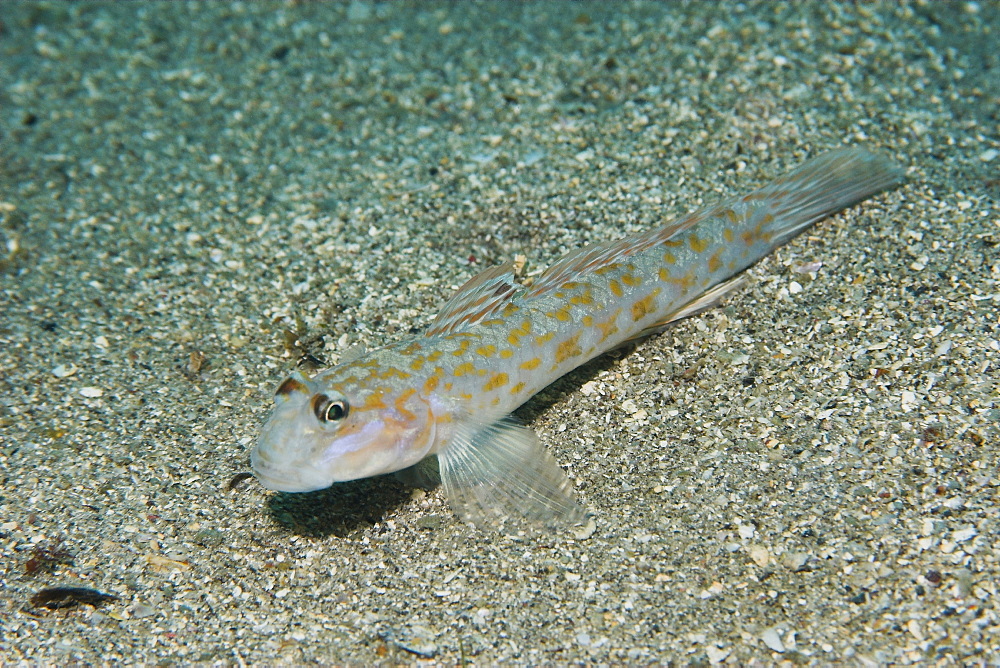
(197, 198)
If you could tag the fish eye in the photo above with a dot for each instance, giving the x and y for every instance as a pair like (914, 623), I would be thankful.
(336, 410)
(329, 410)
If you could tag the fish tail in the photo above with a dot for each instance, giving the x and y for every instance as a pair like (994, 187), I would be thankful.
(821, 187)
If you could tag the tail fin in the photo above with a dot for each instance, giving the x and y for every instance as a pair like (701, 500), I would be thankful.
(822, 186)
(776, 213)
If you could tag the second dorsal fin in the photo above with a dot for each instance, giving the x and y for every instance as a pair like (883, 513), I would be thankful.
(583, 261)
(482, 297)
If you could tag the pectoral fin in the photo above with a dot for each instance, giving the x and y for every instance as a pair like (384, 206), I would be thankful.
(498, 471)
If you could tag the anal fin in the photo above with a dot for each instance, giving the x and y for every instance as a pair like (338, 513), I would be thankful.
(498, 471)
(704, 301)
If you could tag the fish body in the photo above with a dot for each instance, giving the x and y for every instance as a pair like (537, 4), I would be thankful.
(446, 394)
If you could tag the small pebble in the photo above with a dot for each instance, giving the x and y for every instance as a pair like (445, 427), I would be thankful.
(142, 610)
(716, 654)
(760, 555)
(964, 534)
(794, 561)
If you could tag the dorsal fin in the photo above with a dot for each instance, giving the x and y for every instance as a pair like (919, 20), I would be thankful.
(482, 297)
(357, 351)
(582, 261)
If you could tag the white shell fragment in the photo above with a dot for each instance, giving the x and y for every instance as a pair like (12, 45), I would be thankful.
(64, 370)
(771, 638)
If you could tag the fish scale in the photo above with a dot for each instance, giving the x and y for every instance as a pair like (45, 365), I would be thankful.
(444, 397)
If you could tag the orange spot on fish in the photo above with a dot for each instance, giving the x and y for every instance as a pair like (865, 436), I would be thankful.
(373, 402)
(669, 258)
(664, 274)
(431, 384)
(616, 288)
(486, 351)
(393, 372)
(514, 337)
(568, 348)
(544, 338)
(506, 353)
(685, 282)
(464, 368)
(400, 400)
(728, 235)
(608, 327)
(600, 271)
(517, 388)
(714, 263)
(697, 245)
(631, 281)
(497, 380)
(644, 306)
(533, 363)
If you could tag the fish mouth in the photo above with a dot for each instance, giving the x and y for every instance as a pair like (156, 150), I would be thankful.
(281, 479)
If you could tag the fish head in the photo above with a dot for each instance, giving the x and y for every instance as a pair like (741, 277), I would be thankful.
(326, 430)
